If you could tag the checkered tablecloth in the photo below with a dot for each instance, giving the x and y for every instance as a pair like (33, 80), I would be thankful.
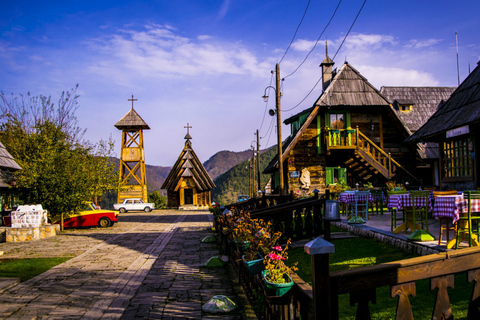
(350, 197)
(377, 197)
(403, 200)
(453, 206)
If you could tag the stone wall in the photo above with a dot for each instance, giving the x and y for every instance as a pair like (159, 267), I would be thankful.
(33, 233)
(407, 246)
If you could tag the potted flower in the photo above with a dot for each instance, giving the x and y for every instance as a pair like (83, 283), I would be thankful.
(263, 240)
(276, 276)
(243, 232)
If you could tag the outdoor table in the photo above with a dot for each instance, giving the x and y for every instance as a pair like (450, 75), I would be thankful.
(401, 201)
(453, 207)
(349, 197)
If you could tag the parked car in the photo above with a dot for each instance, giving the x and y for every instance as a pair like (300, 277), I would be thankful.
(242, 197)
(134, 205)
(90, 216)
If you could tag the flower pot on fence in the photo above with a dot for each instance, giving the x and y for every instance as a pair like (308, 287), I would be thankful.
(242, 246)
(276, 289)
(254, 266)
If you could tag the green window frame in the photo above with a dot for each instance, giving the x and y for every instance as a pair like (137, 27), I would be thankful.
(334, 174)
(344, 113)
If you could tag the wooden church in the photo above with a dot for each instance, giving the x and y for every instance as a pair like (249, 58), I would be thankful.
(188, 184)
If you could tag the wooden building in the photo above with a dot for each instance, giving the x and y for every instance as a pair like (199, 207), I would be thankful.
(414, 106)
(188, 184)
(9, 195)
(352, 134)
(455, 127)
(132, 175)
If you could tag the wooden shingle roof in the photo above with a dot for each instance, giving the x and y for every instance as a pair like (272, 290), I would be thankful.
(131, 120)
(188, 166)
(6, 160)
(350, 88)
(462, 108)
(425, 101)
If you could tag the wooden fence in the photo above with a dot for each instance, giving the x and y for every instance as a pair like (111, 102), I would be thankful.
(320, 301)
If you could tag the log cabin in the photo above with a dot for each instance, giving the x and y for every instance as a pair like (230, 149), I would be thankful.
(454, 126)
(354, 134)
(9, 194)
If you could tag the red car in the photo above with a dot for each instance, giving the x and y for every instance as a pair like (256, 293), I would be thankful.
(91, 216)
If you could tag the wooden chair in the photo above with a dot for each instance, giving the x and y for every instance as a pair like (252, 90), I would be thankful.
(419, 214)
(361, 204)
(394, 217)
(464, 224)
(447, 220)
(377, 205)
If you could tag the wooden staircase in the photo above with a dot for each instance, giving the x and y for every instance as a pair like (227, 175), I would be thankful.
(369, 158)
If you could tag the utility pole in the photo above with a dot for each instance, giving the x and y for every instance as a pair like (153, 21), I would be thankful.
(258, 161)
(253, 176)
(249, 178)
(279, 129)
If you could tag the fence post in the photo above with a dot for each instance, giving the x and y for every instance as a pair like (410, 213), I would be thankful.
(319, 250)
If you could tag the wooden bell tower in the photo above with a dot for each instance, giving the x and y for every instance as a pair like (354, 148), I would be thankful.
(133, 180)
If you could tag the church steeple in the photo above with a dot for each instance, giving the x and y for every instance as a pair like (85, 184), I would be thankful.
(327, 69)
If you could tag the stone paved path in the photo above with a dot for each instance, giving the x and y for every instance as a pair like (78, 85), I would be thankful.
(148, 266)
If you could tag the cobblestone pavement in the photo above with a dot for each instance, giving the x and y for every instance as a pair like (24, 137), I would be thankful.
(147, 266)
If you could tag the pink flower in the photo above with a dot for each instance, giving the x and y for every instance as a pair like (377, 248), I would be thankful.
(277, 248)
(275, 256)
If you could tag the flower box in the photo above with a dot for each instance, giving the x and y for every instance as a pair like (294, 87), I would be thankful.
(242, 246)
(276, 289)
(254, 266)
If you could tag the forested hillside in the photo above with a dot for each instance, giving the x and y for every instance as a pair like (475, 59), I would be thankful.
(234, 182)
(222, 161)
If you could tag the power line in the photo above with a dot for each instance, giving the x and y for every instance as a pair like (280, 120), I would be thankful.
(316, 42)
(345, 38)
(295, 34)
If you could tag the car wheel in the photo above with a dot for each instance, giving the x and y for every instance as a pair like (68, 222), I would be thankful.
(122, 210)
(147, 209)
(104, 222)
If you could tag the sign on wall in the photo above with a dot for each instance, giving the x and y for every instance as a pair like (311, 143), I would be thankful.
(458, 131)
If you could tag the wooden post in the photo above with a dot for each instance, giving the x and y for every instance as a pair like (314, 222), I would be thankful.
(319, 249)
(258, 161)
(279, 130)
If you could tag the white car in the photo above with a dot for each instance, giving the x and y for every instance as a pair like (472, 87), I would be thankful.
(133, 205)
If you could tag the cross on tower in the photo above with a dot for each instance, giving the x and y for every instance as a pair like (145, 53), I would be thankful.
(132, 100)
(188, 127)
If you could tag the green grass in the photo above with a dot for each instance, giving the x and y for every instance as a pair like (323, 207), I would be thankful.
(28, 268)
(361, 252)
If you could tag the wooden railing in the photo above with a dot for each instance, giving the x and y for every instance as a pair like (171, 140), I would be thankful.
(402, 275)
(298, 219)
(261, 202)
(365, 148)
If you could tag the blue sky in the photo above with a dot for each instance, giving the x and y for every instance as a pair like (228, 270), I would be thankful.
(208, 63)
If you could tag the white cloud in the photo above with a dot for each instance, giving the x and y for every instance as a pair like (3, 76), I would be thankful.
(223, 9)
(372, 41)
(303, 45)
(422, 43)
(159, 52)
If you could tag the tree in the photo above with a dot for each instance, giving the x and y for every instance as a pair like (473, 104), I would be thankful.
(60, 170)
(159, 200)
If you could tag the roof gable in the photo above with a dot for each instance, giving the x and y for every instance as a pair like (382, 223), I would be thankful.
(350, 88)
(425, 101)
(188, 166)
(131, 120)
(462, 108)
(6, 160)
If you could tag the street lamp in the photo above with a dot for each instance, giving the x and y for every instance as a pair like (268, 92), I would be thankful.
(279, 125)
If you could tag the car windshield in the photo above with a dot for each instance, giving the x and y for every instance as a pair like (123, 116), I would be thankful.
(94, 206)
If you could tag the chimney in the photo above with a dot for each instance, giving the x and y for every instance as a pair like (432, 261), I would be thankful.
(327, 72)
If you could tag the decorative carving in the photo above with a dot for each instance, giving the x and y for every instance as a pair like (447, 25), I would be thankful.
(404, 308)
